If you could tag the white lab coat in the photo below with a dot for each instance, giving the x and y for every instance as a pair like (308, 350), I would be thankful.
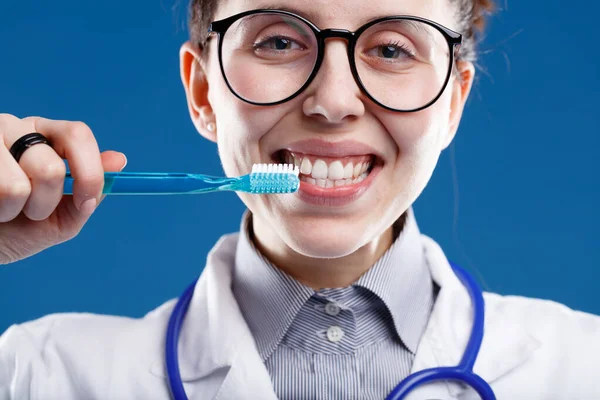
(532, 349)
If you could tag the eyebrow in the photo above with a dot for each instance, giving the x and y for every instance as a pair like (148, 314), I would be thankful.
(418, 27)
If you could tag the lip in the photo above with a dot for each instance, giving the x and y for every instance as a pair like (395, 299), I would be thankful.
(336, 196)
(339, 149)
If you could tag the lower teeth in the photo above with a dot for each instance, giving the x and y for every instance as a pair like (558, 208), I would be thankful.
(328, 183)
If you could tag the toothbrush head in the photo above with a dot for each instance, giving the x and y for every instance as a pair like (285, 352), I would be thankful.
(273, 178)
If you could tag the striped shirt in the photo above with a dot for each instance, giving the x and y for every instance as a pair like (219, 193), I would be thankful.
(356, 342)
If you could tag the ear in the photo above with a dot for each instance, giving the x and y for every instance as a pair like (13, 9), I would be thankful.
(193, 77)
(461, 87)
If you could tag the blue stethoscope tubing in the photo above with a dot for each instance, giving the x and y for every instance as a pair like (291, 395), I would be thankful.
(463, 372)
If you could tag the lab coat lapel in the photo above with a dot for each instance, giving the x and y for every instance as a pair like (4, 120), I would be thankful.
(505, 345)
(222, 362)
(217, 354)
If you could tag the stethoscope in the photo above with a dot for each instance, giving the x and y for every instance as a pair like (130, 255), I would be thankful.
(463, 372)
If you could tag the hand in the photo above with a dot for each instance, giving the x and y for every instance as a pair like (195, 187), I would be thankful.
(34, 213)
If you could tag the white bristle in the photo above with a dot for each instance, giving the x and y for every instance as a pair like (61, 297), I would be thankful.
(276, 169)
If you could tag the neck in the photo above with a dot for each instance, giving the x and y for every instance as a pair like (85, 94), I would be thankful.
(327, 272)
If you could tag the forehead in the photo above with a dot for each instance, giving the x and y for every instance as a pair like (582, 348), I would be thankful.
(346, 14)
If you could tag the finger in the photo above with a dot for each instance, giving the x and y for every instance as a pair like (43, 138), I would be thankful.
(11, 128)
(74, 219)
(14, 186)
(46, 171)
(75, 142)
(113, 161)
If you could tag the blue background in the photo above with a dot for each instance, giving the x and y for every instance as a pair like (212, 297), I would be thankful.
(525, 156)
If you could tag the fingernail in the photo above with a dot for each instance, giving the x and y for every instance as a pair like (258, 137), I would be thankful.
(88, 206)
(125, 161)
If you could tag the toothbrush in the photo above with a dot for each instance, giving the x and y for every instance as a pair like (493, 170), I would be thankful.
(264, 179)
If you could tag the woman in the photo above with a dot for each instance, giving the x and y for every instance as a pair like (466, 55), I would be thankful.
(330, 293)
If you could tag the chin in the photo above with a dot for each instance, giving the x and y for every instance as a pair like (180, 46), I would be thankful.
(327, 238)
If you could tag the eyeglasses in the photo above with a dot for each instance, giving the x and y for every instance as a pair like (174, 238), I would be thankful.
(402, 63)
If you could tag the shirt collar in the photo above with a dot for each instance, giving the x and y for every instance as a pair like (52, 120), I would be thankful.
(402, 280)
(270, 299)
(258, 287)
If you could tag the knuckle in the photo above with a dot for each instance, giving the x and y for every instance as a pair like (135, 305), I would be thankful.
(7, 120)
(79, 131)
(31, 118)
(50, 172)
(15, 189)
(7, 117)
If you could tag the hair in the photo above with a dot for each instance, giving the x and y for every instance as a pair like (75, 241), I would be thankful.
(471, 16)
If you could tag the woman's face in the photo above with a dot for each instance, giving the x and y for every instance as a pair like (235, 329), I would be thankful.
(330, 120)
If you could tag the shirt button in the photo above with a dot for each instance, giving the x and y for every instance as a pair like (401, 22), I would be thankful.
(335, 334)
(332, 309)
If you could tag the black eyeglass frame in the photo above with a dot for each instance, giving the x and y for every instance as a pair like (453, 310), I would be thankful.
(454, 40)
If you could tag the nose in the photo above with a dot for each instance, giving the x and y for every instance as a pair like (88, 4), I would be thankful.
(334, 96)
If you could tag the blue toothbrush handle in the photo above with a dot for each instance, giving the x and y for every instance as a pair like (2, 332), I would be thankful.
(157, 183)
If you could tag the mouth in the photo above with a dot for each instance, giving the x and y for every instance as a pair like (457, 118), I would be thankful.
(332, 181)
(330, 172)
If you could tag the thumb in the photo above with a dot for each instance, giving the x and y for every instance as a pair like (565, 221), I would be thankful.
(112, 161)
(73, 219)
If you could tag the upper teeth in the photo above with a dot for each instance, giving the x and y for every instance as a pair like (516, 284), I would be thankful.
(319, 169)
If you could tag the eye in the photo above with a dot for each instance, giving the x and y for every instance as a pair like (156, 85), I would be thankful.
(393, 50)
(278, 43)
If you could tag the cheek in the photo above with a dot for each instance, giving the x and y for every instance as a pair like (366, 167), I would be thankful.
(419, 138)
(421, 132)
(240, 127)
